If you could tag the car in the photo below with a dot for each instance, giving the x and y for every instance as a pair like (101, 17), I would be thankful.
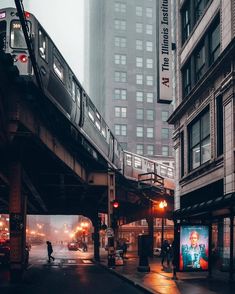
(157, 251)
(5, 253)
(73, 246)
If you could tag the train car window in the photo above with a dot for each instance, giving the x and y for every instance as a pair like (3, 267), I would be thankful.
(137, 162)
(3, 27)
(103, 129)
(98, 121)
(78, 96)
(91, 113)
(150, 166)
(43, 45)
(58, 68)
(73, 91)
(128, 159)
(163, 170)
(98, 125)
(17, 39)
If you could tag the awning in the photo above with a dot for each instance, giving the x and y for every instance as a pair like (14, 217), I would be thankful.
(220, 206)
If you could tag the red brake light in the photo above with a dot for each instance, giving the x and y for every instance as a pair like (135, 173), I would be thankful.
(23, 58)
(115, 204)
(27, 14)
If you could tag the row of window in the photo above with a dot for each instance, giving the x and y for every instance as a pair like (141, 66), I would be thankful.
(121, 42)
(190, 13)
(120, 59)
(120, 24)
(121, 8)
(202, 57)
(121, 130)
(150, 150)
(121, 77)
(120, 111)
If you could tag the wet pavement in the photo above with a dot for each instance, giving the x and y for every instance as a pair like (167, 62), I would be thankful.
(160, 280)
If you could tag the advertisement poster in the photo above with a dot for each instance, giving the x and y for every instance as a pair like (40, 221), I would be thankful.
(194, 248)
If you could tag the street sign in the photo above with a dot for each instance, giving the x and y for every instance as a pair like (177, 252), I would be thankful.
(109, 232)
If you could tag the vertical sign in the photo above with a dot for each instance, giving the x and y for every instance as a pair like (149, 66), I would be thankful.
(165, 58)
(194, 248)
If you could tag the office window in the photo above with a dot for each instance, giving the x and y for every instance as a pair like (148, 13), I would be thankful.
(149, 114)
(120, 94)
(120, 76)
(139, 11)
(219, 125)
(149, 80)
(149, 63)
(150, 150)
(139, 132)
(139, 62)
(120, 7)
(214, 43)
(139, 45)
(149, 29)
(165, 115)
(139, 113)
(149, 97)
(165, 133)
(120, 59)
(199, 141)
(120, 111)
(165, 150)
(149, 132)
(149, 46)
(140, 149)
(199, 8)
(120, 42)
(186, 79)
(139, 79)
(149, 12)
(120, 130)
(120, 24)
(186, 26)
(139, 27)
(200, 62)
(139, 96)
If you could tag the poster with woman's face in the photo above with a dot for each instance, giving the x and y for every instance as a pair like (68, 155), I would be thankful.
(194, 248)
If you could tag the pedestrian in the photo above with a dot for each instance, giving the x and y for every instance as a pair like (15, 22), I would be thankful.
(165, 252)
(124, 248)
(49, 251)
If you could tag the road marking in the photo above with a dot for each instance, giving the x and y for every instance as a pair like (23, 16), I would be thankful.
(72, 261)
(87, 261)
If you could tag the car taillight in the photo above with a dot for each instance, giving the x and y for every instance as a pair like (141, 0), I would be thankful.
(23, 58)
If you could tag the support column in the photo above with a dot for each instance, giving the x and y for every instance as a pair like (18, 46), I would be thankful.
(231, 263)
(17, 211)
(96, 238)
(150, 221)
(111, 198)
(162, 232)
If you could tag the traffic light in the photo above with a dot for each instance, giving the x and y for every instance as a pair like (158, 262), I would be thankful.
(115, 214)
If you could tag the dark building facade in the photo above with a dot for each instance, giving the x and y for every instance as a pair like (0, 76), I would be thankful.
(204, 122)
(121, 74)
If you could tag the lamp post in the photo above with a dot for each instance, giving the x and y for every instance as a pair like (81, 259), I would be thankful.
(162, 205)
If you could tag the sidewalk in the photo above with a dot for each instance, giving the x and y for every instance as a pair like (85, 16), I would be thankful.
(160, 281)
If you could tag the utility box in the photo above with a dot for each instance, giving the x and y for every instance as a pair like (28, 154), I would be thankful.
(144, 245)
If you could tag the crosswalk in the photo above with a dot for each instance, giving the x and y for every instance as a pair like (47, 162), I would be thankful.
(63, 262)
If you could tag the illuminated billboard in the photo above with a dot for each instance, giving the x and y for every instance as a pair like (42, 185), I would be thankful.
(194, 248)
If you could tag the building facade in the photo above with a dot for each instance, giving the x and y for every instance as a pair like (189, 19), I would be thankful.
(204, 122)
(121, 74)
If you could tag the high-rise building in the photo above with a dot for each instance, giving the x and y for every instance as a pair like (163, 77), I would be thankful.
(121, 73)
(204, 135)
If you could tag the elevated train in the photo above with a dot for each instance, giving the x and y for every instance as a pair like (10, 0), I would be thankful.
(64, 91)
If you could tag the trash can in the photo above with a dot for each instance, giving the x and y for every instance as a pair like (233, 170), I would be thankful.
(144, 249)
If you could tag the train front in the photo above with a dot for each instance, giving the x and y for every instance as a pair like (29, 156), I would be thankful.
(12, 38)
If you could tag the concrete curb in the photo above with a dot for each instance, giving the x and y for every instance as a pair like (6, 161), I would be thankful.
(132, 282)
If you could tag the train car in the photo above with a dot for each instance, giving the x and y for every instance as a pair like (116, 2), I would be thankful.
(59, 84)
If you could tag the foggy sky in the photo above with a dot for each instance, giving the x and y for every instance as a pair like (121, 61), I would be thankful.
(64, 22)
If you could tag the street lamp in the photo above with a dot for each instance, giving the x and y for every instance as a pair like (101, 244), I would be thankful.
(162, 205)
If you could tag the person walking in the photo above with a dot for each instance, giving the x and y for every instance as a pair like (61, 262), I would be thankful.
(49, 251)
(165, 251)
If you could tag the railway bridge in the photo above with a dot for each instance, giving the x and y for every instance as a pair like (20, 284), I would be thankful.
(42, 170)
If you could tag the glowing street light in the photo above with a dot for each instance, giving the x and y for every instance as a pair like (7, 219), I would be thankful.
(163, 204)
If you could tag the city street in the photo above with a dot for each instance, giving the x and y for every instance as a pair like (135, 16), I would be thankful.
(71, 272)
